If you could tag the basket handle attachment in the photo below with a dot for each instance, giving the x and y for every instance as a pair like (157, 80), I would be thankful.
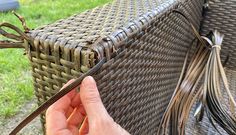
(14, 40)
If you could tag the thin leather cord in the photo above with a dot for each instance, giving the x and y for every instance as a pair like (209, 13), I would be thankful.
(56, 97)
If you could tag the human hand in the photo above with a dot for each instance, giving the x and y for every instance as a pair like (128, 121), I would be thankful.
(81, 113)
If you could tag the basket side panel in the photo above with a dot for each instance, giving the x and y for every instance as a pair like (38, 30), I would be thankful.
(221, 16)
(205, 127)
(136, 86)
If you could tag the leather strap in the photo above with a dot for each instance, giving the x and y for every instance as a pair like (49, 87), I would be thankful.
(56, 97)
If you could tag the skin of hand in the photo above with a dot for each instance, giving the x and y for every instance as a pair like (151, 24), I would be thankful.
(81, 113)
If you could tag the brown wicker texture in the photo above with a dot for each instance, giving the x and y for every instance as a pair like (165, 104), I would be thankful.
(60, 50)
(221, 15)
(136, 85)
(145, 44)
(204, 127)
(139, 82)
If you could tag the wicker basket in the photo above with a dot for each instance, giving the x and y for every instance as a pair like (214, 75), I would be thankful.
(144, 43)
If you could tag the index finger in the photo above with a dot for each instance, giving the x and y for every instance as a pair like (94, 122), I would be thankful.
(56, 119)
(64, 103)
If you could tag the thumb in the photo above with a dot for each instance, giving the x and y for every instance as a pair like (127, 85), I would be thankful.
(91, 100)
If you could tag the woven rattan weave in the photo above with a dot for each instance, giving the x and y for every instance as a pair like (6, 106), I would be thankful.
(144, 44)
(204, 127)
(221, 15)
(151, 44)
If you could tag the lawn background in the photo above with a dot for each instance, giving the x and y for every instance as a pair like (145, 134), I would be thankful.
(15, 76)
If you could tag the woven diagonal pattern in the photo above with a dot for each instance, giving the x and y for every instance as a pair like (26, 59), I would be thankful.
(204, 127)
(86, 27)
(57, 54)
(136, 86)
(221, 16)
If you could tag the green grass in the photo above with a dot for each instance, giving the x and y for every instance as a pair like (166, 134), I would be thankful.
(15, 78)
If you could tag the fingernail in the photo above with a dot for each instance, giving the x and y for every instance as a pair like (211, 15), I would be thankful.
(89, 82)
